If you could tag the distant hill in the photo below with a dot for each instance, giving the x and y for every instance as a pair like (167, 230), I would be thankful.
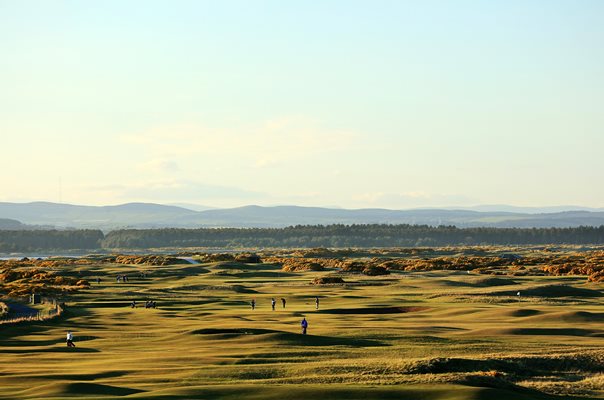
(147, 215)
(530, 210)
(256, 216)
(150, 215)
(191, 206)
(10, 224)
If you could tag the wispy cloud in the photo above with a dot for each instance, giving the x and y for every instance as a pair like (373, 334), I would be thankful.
(260, 145)
(159, 165)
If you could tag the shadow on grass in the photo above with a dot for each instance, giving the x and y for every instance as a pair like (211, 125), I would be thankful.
(285, 337)
(374, 310)
(10, 331)
(52, 350)
(349, 392)
(84, 377)
(80, 389)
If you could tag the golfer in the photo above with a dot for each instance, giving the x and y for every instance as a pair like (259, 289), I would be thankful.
(304, 325)
(70, 339)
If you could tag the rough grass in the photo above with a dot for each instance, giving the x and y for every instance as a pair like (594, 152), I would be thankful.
(417, 335)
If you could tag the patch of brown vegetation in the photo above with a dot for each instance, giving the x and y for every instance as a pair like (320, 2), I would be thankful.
(248, 258)
(586, 263)
(46, 263)
(24, 281)
(326, 280)
(299, 265)
(216, 257)
(146, 260)
(375, 270)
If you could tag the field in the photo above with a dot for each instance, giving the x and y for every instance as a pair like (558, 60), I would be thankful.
(473, 333)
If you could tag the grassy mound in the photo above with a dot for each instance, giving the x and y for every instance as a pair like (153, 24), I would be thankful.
(491, 281)
(570, 316)
(540, 332)
(553, 291)
(519, 366)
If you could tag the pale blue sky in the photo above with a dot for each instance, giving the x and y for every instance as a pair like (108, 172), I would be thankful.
(330, 103)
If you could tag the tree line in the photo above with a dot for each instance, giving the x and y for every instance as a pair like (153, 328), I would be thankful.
(34, 240)
(370, 235)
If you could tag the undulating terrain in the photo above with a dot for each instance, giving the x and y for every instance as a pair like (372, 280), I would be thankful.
(424, 324)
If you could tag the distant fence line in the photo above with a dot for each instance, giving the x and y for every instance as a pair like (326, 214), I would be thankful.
(25, 313)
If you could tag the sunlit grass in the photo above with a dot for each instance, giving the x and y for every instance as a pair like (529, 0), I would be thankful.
(443, 334)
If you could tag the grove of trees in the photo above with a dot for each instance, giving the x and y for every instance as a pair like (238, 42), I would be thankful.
(348, 236)
(377, 235)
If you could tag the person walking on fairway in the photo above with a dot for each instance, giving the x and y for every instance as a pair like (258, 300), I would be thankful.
(70, 339)
(253, 303)
(304, 325)
(273, 302)
(283, 301)
(317, 302)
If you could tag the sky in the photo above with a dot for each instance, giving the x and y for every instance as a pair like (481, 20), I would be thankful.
(355, 104)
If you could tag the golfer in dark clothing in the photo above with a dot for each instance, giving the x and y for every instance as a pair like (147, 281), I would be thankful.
(273, 302)
(283, 302)
(317, 302)
(253, 303)
(304, 325)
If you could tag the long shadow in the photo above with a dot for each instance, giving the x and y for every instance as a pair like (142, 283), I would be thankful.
(84, 377)
(374, 310)
(286, 337)
(86, 388)
(52, 350)
(44, 342)
(10, 331)
(352, 392)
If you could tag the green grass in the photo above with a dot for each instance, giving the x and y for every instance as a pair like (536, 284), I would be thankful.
(420, 335)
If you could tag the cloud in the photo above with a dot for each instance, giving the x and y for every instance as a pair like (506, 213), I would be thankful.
(159, 165)
(266, 144)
